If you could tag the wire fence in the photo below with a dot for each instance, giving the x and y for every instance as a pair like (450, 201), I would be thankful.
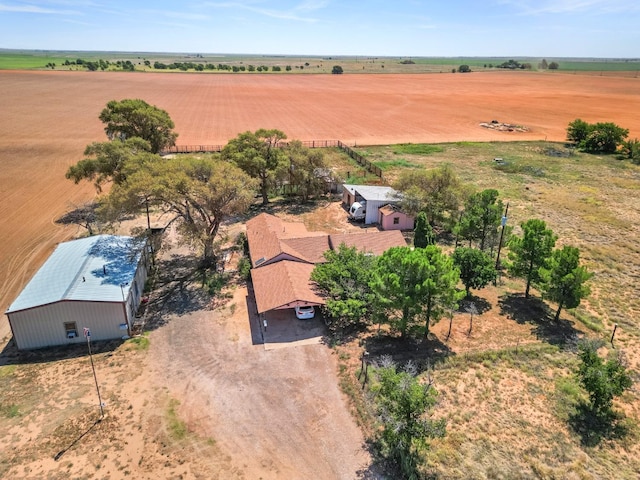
(361, 160)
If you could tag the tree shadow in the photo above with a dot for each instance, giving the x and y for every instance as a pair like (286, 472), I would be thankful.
(84, 215)
(480, 304)
(10, 354)
(424, 353)
(177, 290)
(535, 312)
(594, 427)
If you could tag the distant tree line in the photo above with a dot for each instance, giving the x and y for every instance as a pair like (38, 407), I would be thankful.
(101, 64)
(200, 67)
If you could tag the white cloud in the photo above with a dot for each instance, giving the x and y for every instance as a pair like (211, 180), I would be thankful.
(288, 14)
(35, 9)
(538, 7)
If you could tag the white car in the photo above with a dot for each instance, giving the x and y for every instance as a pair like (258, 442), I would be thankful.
(305, 313)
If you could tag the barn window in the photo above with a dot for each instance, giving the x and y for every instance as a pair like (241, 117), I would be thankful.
(396, 220)
(71, 329)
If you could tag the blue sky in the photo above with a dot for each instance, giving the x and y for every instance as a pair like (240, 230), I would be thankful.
(536, 28)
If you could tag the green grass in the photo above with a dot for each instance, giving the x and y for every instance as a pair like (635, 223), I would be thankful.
(399, 163)
(7, 370)
(9, 410)
(416, 149)
(27, 61)
(177, 428)
(140, 342)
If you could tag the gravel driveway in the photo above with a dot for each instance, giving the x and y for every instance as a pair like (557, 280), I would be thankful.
(275, 413)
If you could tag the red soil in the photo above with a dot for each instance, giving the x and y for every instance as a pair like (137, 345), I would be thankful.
(49, 117)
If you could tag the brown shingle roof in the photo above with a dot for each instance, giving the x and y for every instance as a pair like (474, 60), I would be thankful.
(371, 242)
(265, 234)
(310, 249)
(284, 284)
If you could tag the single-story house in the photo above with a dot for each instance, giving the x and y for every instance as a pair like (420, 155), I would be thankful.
(283, 255)
(94, 282)
(373, 198)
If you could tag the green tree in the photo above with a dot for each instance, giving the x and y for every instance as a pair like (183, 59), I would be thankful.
(413, 285)
(464, 69)
(105, 161)
(477, 268)
(604, 137)
(563, 280)
(136, 118)
(305, 169)
(531, 251)
(577, 131)
(258, 154)
(543, 64)
(402, 402)
(437, 192)
(631, 150)
(423, 233)
(344, 280)
(481, 217)
(337, 70)
(200, 193)
(602, 380)
(554, 66)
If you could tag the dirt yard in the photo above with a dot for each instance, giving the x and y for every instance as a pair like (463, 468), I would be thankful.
(208, 398)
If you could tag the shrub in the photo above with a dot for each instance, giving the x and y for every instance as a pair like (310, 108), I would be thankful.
(244, 268)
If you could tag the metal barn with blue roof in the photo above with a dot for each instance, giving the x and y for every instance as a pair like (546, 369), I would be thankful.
(94, 282)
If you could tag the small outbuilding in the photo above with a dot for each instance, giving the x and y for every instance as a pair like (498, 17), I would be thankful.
(392, 218)
(95, 282)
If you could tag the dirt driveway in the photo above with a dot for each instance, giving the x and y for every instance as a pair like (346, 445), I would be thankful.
(274, 413)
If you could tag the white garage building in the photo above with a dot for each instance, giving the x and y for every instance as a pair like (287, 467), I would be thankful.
(95, 282)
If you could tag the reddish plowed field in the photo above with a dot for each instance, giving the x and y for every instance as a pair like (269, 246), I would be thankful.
(49, 117)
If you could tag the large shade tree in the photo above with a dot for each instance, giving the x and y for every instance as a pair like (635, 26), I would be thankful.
(105, 161)
(200, 193)
(136, 118)
(531, 251)
(259, 155)
(414, 285)
(564, 279)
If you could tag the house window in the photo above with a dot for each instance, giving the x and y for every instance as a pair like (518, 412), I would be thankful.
(396, 220)
(71, 329)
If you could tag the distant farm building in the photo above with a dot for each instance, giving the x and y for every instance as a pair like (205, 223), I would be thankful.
(95, 282)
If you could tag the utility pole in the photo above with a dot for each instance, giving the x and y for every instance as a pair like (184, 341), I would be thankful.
(87, 335)
(504, 224)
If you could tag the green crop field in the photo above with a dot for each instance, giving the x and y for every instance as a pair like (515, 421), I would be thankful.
(39, 59)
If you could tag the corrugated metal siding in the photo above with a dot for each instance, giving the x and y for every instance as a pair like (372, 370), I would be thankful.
(372, 210)
(44, 326)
